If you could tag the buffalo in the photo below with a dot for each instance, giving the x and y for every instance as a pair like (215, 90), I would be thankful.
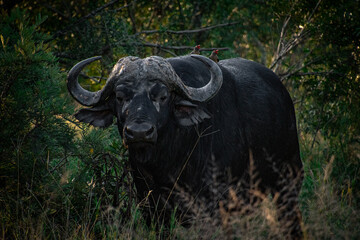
(181, 116)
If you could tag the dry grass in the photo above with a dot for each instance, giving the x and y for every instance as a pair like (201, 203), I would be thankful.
(326, 215)
(245, 213)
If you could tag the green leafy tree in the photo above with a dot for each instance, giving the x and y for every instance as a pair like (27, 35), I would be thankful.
(32, 131)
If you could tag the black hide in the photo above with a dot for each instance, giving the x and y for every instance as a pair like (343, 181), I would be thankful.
(252, 112)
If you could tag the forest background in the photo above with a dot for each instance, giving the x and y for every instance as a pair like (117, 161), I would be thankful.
(60, 179)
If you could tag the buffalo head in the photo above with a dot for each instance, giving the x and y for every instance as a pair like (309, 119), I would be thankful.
(144, 95)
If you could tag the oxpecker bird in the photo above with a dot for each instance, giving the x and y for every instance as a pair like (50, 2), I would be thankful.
(196, 50)
(214, 56)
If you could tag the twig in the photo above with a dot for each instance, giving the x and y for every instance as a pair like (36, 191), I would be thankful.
(187, 31)
(60, 164)
(94, 78)
(65, 55)
(281, 40)
(296, 38)
(147, 44)
(121, 8)
(289, 73)
(55, 11)
(170, 52)
(77, 124)
(91, 14)
(131, 15)
(314, 73)
(296, 101)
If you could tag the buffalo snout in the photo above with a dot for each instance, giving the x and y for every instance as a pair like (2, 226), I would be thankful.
(140, 132)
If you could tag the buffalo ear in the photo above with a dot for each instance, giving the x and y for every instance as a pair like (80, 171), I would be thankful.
(188, 113)
(99, 116)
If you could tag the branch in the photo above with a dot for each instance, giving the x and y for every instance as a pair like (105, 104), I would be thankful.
(94, 78)
(314, 73)
(170, 52)
(76, 123)
(187, 31)
(91, 14)
(147, 44)
(55, 11)
(290, 73)
(131, 15)
(281, 41)
(65, 55)
(295, 40)
(121, 8)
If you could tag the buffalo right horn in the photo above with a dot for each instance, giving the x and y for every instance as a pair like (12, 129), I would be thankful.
(83, 96)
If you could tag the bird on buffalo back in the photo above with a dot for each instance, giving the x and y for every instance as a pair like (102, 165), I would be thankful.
(196, 50)
(214, 56)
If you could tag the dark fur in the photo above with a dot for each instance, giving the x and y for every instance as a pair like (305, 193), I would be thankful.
(252, 111)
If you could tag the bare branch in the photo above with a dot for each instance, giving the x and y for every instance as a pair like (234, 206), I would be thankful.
(188, 31)
(121, 8)
(281, 40)
(312, 13)
(297, 66)
(314, 73)
(60, 164)
(147, 44)
(297, 101)
(94, 78)
(290, 73)
(295, 40)
(170, 52)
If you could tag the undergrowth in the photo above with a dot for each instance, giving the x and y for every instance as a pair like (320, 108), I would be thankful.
(81, 200)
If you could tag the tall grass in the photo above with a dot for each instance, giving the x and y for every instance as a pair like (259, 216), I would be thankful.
(81, 200)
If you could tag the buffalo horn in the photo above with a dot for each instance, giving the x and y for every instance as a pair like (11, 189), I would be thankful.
(80, 94)
(208, 91)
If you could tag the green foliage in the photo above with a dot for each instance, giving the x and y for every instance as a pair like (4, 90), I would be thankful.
(327, 215)
(30, 97)
(45, 171)
(32, 131)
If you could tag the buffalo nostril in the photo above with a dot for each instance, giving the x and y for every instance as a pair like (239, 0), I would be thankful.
(129, 132)
(150, 131)
(140, 132)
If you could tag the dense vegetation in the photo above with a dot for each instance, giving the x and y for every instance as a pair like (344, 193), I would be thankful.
(60, 179)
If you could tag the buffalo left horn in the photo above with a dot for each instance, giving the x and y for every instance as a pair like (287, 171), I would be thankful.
(208, 91)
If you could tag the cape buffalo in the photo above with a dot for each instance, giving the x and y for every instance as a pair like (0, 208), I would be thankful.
(181, 116)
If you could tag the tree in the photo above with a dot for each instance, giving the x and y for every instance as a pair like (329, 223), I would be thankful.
(32, 102)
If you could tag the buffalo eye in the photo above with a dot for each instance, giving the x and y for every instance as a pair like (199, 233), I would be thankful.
(159, 94)
(163, 98)
(120, 96)
(123, 96)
